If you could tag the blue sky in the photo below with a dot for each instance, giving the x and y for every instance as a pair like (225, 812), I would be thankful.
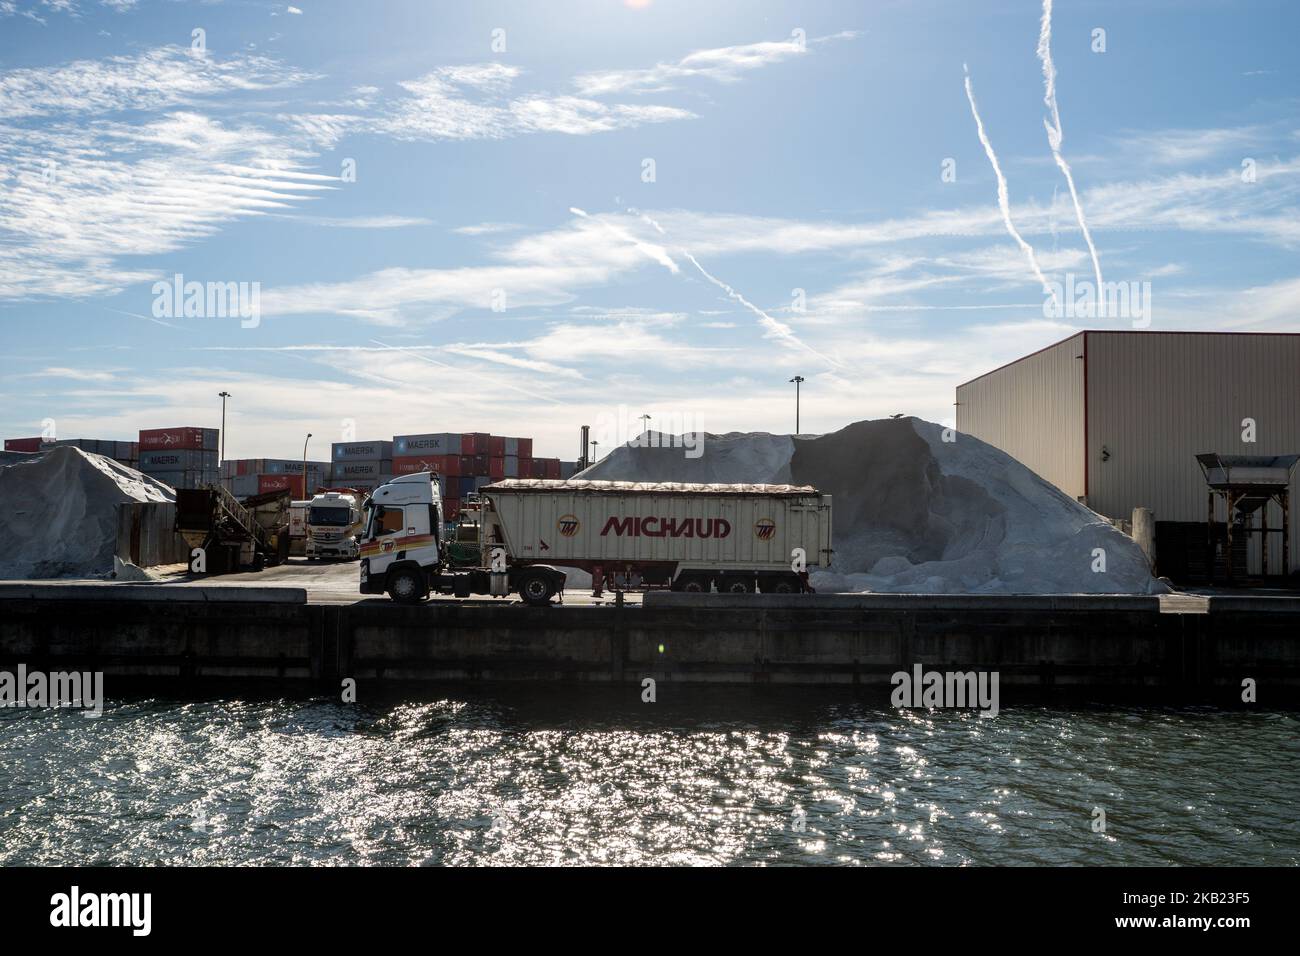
(796, 146)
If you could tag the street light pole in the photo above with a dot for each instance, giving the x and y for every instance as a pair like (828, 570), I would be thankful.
(798, 380)
(304, 464)
(223, 396)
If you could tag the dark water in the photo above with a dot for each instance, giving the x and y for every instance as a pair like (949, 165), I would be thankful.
(714, 776)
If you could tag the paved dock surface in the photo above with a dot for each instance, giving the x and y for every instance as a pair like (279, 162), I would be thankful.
(326, 582)
(336, 583)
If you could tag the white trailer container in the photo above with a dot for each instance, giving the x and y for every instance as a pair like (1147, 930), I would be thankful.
(736, 536)
(691, 537)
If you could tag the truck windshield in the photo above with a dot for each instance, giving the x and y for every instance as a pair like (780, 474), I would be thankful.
(329, 515)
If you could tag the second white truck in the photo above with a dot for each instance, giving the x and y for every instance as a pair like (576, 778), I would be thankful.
(737, 538)
(333, 521)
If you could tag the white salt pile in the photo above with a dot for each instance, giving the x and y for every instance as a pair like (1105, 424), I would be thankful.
(58, 514)
(913, 513)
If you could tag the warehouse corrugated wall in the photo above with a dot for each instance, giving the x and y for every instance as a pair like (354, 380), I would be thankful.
(1157, 399)
(1033, 409)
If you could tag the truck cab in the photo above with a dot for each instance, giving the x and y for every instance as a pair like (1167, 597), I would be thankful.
(407, 553)
(333, 520)
(401, 539)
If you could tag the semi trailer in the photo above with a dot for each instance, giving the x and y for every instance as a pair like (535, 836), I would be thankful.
(738, 538)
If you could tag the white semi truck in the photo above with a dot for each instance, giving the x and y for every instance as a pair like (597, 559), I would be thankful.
(333, 520)
(691, 537)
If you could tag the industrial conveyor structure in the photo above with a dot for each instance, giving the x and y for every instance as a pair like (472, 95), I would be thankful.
(233, 535)
(1247, 484)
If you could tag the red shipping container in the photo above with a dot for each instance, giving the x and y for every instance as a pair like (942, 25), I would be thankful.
(539, 468)
(410, 466)
(23, 444)
(496, 446)
(525, 467)
(449, 465)
(474, 443)
(174, 439)
(552, 467)
(496, 467)
(480, 465)
(450, 507)
(267, 483)
(525, 451)
(466, 465)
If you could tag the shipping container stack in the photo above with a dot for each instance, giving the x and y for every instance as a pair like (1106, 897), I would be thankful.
(364, 465)
(468, 461)
(123, 452)
(245, 477)
(180, 457)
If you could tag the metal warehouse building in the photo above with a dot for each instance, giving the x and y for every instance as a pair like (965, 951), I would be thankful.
(1117, 418)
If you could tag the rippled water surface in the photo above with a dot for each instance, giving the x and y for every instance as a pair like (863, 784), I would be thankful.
(554, 776)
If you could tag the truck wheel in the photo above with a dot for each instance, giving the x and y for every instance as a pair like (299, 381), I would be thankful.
(406, 587)
(785, 584)
(736, 585)
(692, 584)
(536, 588)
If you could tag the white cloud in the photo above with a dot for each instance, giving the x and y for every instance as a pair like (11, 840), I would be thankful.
(721, 64)
(157, 79)
(439, 106)
(324, 129)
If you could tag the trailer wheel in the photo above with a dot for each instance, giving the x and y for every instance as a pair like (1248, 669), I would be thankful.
(536, 588)
(735, 584)
(405, 586)
(783, 584)
(692, 584)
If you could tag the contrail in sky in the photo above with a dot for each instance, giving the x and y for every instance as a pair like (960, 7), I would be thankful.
(657, 253)
(775, 328)
(1054, 134)
(1004, 203)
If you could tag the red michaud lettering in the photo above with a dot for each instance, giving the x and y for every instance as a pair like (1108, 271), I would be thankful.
(655, 527)
(619, 527)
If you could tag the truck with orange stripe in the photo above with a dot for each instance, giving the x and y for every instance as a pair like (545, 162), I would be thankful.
(738, 538)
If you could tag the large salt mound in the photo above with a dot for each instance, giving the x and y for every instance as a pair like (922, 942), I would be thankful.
(59, 517)
(913, 513)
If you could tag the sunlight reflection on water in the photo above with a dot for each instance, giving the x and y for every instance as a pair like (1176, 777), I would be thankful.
(533, 775)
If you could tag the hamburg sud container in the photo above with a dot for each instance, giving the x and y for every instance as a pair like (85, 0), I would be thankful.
(660, 527)
(290, 483)
(175, 439)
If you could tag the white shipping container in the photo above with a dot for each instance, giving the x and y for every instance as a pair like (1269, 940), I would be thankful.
(718, 527)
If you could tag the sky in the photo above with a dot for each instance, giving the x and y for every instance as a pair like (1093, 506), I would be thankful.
(520, 218)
